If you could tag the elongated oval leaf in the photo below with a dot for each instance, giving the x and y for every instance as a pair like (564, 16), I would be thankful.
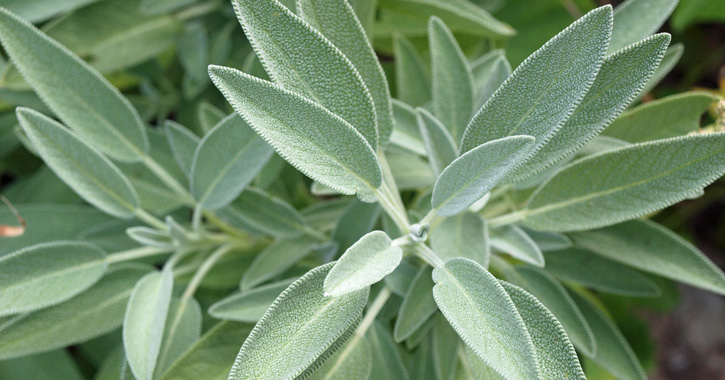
(143, 325)
(47, 274)
(412, 79)
(318, 143)
(276, 259)
(451, 79)
(476, 172)
(353, 361)
(387, 362)
(439, 144)
(249, 305)
(298, 328)
(445, 344)
(636, 20)
(300, 59)
(545, 89)
(652, 248)
(591, 270)
(336, 20)
(626, 183)
(75, 92)
(92, 313)
(366, 262)
(484, 316)
(672, 56)
(80, 166)
(183, 144)
(464, 235)
(554, 353)
(418, 305)
(514, 241)
(621, 78)
(268, 213)
(226, 161)
(181, 330)
(36, 11)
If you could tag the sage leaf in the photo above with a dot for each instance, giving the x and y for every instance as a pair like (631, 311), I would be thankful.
(358, 220)
(476, 172)
(463, 235)
(318, 143)
(613, 352)
(549, 241)
(52, 365)
(495, 75)
(410, 171)
(211, 357)
(365, 263)
(143, 325)
(451, 79)
(308, 64)
(181, 330)
(75, 92)
(514, 241)
(333, 349)
(620, 185)
(484, 316)
(387, 362)
(226, 160)
(478, 368)
(336, 20)
(81, 167)
(183, 144)
(406, 133)
(249, 305)
(595, 272)
(418, 305)
(94, 312)
(353, 361)
(268, 213)
(555, 297)
(400, 279)
(46, 274)
(668, 117)
(150, 236)
(649, 247)
(621, 77)
(208, 115)
(545, 89)
(298, 328)
(636, 20)
(412, 80)
(439, 144)
(36, 11)
(555, 354)
(672, 56)
(276, 259)
(444, 342)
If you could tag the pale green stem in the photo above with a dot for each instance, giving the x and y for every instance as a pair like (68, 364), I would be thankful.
(204, 270)
(507, 219)
(224, 226)
(196, 218)
(136, 253)
(150, 219)
(373, 311)
(392, 211)
(428, 255)
(168, 180)
(495, 210)
(389, 179)
(428, 218)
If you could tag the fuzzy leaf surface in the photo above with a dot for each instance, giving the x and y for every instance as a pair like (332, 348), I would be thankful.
(463, 235)
(514, 241)
(249, 305)
(181, 330)
(418, 305)
(411, 75)
(183, 144)
(269, 213)
(387, 362)
(439, 144)
(277, 258)
(636, 20)
(353, 361)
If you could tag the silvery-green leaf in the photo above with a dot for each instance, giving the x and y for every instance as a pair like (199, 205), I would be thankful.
(276, 259)
(672, 56)
(512, 240)
(36, 11)
(365, 263)
(406, 133)
(412, 79)
(181, 330)
(324, 215)
(619, 185)
(299, 326)
(302, 60)
(400, 279)
(593, 271)
(621, 77)
(353, 361)
(478, 368)
(94, 312)
(75, 92)
(554, 296)
(268, 213)
(111, 366)
(548, 241)
(420, 334)
(226, 160)
(672, 116)
(477, 171)
(387, 362)
(418, 305)
(451, 80)
(410, 171)
(208, 115)
(613, 352)
(358, 220)
(337, 21)
(46, 274)
(211, 357)
(317, 142)
(596, 145)
(439, 144)
(445, 343)
(48, 366)
(463, 235)
(545, 89)
(248, 305)
(652, 248)
(636, 20)
(334, 348)
(554, 353)
(79, 165)
(149, 236)
(484, 316)
(462, 14)
(488, 76)
(183, 144)
(193, 50)
(483, 66)
(143, 325)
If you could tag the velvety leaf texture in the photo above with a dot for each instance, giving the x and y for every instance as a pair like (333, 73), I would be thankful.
(439, 144)
(545, 89)
(268, 213)
(387, 362)
(463, 235)
(276, 259)
(249, 305)
(418, 305)
(636, 20)
(353, 361)
(183, 144)
(318, 143)
(513, 241)
(300, 325)
(300, 59)
(626, 183)
(75, 92)
(411, 75)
